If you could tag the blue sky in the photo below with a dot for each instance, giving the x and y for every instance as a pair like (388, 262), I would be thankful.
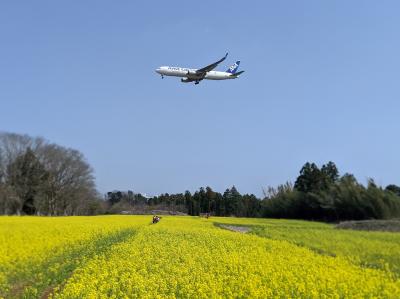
(321, 84)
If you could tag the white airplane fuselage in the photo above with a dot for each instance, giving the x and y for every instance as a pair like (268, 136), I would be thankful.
(191, 73)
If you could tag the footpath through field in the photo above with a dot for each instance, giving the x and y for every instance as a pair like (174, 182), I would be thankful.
(191, 257)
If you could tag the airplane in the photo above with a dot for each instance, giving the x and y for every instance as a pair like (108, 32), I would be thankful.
(196, 75)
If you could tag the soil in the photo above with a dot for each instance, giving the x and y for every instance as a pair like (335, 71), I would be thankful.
(392, 225)
(239, 229)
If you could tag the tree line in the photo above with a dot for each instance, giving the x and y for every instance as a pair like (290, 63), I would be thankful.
(205, 200)
(322, 194)
(317, 194)
(42, 178)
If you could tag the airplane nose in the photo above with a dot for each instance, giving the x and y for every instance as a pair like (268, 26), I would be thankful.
(158, 70)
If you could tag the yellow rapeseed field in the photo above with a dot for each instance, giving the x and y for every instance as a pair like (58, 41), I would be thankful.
(191, 257)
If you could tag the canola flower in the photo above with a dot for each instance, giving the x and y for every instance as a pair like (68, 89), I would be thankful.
(185, 257)
(191, 258)
(369, 249)
(37, 252)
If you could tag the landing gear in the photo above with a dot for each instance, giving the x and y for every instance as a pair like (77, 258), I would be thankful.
(162, 76)
(197, 82)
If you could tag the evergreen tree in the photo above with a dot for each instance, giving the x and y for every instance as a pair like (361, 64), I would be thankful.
(310, 178)
(189, 202)
(231, 200)
(313, 179)
(210, 197)
(219, 209)
(330, 174)
(27, 176)
(393, 188)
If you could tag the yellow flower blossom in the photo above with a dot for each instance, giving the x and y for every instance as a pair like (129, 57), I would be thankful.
(189, 257)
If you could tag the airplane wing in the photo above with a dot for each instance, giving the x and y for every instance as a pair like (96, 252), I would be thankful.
(210, 67)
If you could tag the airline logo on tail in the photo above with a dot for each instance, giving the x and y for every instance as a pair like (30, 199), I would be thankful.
(233, 68)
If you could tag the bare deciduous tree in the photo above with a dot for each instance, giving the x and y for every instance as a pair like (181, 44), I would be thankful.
(66, 185)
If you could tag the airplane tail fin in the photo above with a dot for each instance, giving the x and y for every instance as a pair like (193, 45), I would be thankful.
(233, 68)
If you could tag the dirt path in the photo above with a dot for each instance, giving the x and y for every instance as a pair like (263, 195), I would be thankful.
(239, 229)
